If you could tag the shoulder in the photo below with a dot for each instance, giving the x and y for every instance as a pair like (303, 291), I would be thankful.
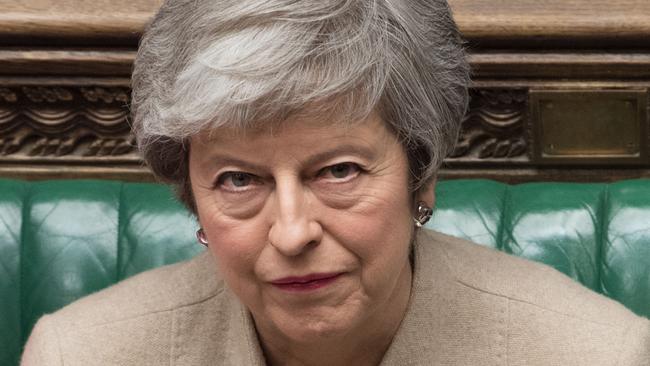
(130, 322)
(522, 280)
(162, 289)
(546, 316)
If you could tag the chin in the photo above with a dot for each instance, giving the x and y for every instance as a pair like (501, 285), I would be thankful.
(319, 324)
(310, 331)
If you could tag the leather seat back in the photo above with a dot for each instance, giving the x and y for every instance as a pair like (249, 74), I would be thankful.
(61, 240)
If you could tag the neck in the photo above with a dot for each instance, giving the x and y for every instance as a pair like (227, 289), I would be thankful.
(362, 345)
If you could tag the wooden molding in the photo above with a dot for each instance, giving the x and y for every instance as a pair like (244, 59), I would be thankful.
(89, 123)
(79, 128)
(115, 22)
(77, 124)
(554, 23)
(66, 62)
(485, 64)
(59, 124)
(65, 67)
(494, 128)
(554, 65)
(486, 24)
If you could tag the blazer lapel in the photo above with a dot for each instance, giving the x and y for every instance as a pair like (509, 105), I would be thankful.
(446, 322)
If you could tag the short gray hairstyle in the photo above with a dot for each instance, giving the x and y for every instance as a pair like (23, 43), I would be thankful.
(204, 64)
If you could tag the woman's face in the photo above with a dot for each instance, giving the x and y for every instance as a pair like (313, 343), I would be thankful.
(310, 223)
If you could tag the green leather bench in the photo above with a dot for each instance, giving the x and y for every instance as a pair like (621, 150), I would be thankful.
(60, 240)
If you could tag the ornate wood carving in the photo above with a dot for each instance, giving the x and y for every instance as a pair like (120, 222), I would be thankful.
(62, 130)
(494, 128)
(65, 124)
(81, 123)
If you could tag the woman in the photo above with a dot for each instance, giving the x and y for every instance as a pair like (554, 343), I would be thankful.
(305, 136)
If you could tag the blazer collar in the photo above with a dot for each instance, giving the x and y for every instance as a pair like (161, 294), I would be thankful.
(415, 338)
(448, 322)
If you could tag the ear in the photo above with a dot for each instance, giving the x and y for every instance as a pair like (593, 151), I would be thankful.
(427, 193)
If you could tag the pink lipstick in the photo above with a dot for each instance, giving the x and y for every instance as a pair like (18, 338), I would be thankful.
(305, 283)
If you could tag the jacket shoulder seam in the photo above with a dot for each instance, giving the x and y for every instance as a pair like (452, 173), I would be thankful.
(514, 299)
(160, 311)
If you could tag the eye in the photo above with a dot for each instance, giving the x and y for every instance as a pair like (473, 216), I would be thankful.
(340, 171)
(235, 181)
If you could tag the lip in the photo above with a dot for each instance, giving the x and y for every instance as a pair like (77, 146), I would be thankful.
(310, 282)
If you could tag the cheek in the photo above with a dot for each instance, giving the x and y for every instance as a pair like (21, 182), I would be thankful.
(377, 230)
(235, 245)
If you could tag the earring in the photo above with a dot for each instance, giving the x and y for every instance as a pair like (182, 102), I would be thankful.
(200, 236)
(423, 214)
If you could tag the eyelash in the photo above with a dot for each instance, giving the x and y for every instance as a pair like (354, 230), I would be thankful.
(357, 170)
(222, 178)
(219, 182)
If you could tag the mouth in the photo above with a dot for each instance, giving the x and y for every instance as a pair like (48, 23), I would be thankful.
(306, 283)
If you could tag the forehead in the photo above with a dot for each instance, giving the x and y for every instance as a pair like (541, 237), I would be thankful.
(295, 144)
(297, 129)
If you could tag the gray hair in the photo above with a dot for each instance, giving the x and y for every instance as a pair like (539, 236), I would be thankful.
(241, 63)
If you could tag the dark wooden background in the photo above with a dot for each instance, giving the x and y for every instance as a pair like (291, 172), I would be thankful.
(65, 66)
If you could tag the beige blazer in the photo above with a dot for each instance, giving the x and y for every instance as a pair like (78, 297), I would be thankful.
(469, 306)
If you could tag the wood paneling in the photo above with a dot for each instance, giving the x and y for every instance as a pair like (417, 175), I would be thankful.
(504, 23)
(78, 62)
(65, 66)
(601, 65)
(570, 23)
(114, 21)
(551, 65)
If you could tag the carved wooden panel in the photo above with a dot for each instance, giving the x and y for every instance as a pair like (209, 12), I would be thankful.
(494, 129)
(62, 124)
(65, 67)
(83, 124)
(64, 130)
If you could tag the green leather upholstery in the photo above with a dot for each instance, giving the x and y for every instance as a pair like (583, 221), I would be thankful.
(598, 234)
(60, 240)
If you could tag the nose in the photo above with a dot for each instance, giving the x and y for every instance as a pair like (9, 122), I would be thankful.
(294, 226)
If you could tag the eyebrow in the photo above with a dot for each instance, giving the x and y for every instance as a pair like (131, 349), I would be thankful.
(364, 152)
(222, 160)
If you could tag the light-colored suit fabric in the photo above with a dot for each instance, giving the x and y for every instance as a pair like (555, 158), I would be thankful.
(470, 305)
